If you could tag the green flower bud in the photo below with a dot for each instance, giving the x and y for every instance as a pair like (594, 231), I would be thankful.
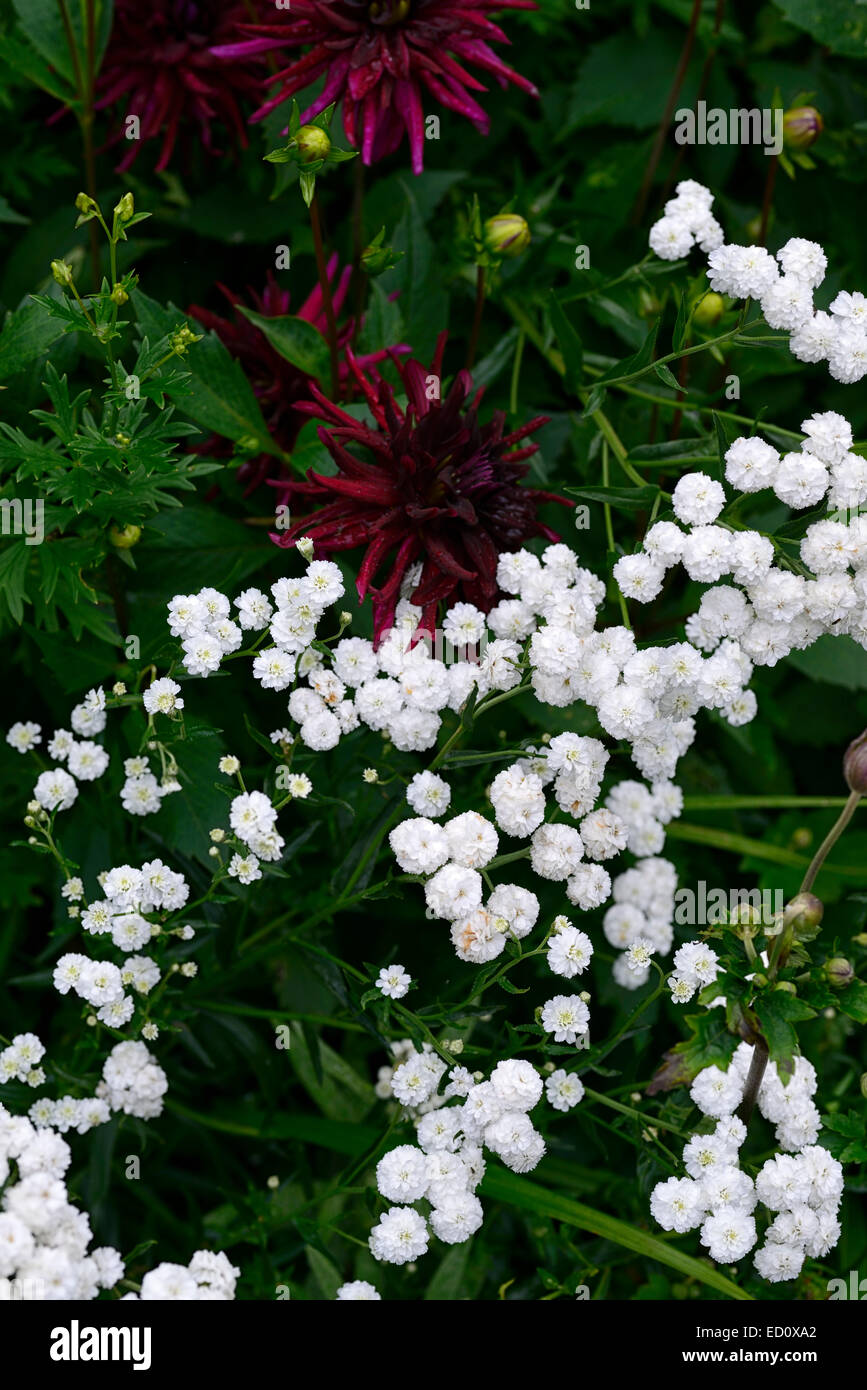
(710, 310)
(507, 234)
(805, 912)
(760, 980)
(855, 764)
(860, 939)
(62, 272)
(125, 208)
(119, 295)
(87, 206)
(864, 1084)
(124, 537)
(838, 972)
(377, 258)
(785, 987)
(802, 126)
(312, 143)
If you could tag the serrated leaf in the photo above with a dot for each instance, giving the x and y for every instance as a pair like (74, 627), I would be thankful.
(777, 1012)
(710, 1044)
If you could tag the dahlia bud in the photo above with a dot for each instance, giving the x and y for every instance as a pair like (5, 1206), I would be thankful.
(61, 272)
(377, 257)
(312, 143)
(802, 126)
(710, 310)
(125, 209)
(507, 234)
(124, 537)
(838, 972)
(855, 764)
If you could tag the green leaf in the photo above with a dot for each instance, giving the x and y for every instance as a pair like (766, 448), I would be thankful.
(595, 401)
(42, 22)
(834, 660)
(26, 335)
(629, 366)
(325, 1272)
(296, 340)
(221, 398)
(447, 1284)
(570, 343)
(777, 1011)
(681, 323)
(531, 1196)
(423, 302)
(489, 368)
(710, 1044)
(853, 1001)
(382, 324)
(625, 499)
(836, 24)
(341, 1093)
(8, 214)
(666, 375)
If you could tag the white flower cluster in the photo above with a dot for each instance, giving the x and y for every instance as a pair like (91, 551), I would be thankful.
(44, 1238)
(783, 284)
(641, 916)
(448, 1164)
(129, 894)
(253, 818)
(803, 1189)
(20, 1060)
(766, 611)
(57, 788)
(695, 965)
(787, 1105)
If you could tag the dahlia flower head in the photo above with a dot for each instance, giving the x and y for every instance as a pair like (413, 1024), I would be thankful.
(761, 611)
(783, 284)
(800, 1189)
(160, 68)
(427, 483)
(380, 60)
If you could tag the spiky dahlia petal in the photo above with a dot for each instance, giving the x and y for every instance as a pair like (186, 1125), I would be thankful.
(379, 56)
(428, 482)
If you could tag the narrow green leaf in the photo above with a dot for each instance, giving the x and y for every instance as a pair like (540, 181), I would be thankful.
(531, 1196)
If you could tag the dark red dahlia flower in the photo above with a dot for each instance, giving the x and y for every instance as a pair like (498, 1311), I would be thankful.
(380, 56)
(160, 66)
(429, 484)
(278, 384)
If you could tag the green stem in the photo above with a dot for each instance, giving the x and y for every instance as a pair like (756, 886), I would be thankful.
(830, 840)
(477, 317)
(636, 1114)
(516, 372)
(327, 301)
